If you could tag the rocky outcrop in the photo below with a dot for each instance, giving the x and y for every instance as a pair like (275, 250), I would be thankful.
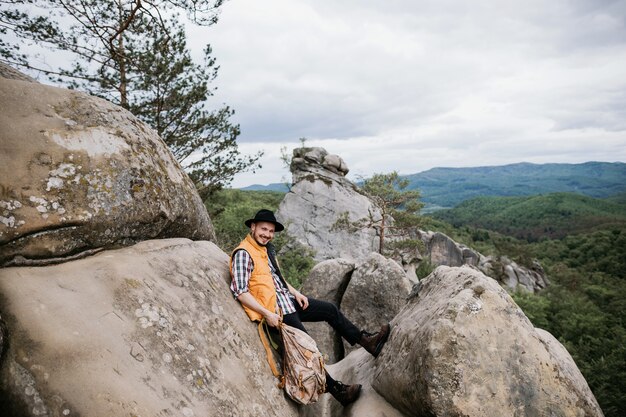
(442, 250)
(377, 291)
(461, 346)
(328, 281)
(370, 293)
(515, 277)
(13, 74)
(79, 174)
(321, 195)
(316, 161)
(319, 199)
(150, 330)
(157, 325)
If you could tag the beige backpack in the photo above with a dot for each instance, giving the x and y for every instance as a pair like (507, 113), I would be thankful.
(303, 378)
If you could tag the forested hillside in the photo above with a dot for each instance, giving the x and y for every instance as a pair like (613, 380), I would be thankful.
(535, 217)
(447, 187)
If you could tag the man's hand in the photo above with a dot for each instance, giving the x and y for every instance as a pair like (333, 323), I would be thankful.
(302, 300)
(272, 319)
(249, 301)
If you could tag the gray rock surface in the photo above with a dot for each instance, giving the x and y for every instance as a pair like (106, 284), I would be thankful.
(442, 250)
(328, 281)
(149, 330)
(369, 293)
(567, 366)
(462, 347)
(158, 326)
(79, 174)
(517, 277)
(319, 197)
(13, 74)
(377, 291)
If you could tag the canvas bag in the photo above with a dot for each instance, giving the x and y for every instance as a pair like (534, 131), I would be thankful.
(303, 377)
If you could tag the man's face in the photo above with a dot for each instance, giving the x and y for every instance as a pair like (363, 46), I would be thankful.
(262, 232)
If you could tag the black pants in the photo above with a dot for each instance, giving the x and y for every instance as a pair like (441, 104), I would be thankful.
(328, 312)
(323, 311)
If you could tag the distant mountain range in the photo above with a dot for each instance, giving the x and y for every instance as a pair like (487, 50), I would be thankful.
(447, 187)
(277, 186)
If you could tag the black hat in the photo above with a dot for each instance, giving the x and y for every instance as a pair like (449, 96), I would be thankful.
(265, 216)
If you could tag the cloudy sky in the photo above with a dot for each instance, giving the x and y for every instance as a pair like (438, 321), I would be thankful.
(410, 85)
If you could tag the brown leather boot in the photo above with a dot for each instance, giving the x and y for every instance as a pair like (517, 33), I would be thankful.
(374, 342)
(345, 394)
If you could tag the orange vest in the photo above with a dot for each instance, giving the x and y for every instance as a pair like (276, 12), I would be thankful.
(261, 284)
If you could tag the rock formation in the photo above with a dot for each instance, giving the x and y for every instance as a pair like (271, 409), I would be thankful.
(150, 330)
(157, 325)
(377, 290)
(319, 197)
(442, 250)
(461, 346)
(328, 281)
(370, 293)
(321, 194)
(153, 330)
(78, 174)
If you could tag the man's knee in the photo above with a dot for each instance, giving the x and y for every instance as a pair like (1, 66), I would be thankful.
(327, 307)
(332, 310)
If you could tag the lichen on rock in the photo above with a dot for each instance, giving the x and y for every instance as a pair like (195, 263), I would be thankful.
(78, 173)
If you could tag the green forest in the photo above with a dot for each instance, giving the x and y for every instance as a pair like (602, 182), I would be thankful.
(580, 242)
(537, 217)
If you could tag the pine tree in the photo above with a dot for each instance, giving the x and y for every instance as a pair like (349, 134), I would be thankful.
(399, 213)
(169, 93)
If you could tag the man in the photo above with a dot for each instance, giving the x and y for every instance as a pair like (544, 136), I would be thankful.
(260, 287)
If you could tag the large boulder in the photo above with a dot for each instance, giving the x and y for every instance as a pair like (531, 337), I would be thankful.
(377, 291)
(78, 174)
(440, 249)
(321, 199)
(149, 330)
(328, 281)
(462, 347)
(517, 277)
(369, 293)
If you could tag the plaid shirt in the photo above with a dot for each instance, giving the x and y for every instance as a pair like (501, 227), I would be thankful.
(242, 269)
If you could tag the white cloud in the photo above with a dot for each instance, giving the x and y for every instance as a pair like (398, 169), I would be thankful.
(409, 85)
